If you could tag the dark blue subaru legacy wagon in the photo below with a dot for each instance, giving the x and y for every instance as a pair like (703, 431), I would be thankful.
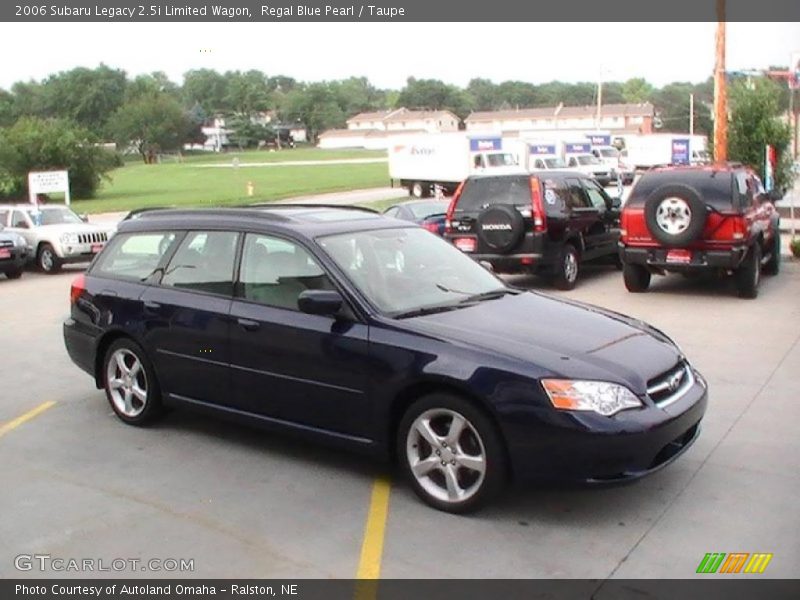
(343, 325)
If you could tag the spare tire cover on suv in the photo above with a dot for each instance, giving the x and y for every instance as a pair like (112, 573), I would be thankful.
(499, 227)
(675, 214)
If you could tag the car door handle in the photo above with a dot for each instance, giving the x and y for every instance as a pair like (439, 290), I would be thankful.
(248, 325)
(151, 306)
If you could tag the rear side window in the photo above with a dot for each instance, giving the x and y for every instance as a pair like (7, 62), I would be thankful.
(715, 187)
(481, 192)
(204, 263)
(134, 256)
(4, 217)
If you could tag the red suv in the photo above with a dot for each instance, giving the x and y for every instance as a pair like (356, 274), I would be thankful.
(692, 219)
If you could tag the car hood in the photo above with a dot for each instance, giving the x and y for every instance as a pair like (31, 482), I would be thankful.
(72, 228)
(560, 338)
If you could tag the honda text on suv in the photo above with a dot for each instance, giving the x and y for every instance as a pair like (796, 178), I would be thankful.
(547, 223)
(341, 325)
(703, 218)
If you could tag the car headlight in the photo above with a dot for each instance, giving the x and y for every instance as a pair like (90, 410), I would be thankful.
(69, 238)
(19, 241)
(602, 397)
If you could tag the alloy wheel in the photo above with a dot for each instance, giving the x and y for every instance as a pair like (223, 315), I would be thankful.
(127, 382)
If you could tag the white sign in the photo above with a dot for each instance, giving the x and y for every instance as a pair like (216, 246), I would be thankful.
(45, 182)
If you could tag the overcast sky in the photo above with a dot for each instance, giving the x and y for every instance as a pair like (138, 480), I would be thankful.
(387, 53)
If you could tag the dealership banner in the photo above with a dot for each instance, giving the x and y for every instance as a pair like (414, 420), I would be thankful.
(266, 11)
(704, 588)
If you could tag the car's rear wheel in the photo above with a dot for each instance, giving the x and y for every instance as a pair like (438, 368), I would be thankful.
(773, 265)
(130, 383)
(47, 259)
(636, 277)
(567, 268)
(451, 453)
(748, 275)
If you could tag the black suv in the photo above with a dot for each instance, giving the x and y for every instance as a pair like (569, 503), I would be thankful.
(544, 223)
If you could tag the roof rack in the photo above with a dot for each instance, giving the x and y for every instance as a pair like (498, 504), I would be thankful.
(272, 205)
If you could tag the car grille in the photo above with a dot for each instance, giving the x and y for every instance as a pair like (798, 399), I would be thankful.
(6, 244)
(92, 238)
(670, 387)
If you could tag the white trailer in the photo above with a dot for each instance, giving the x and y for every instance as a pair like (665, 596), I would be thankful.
(420, 163)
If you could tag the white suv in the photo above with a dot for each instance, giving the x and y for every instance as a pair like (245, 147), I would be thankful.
(55, 235)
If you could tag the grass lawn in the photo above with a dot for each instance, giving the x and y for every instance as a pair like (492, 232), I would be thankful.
(184, 184)
(287, 154)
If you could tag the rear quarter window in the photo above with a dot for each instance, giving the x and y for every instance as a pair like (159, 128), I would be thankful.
(715, 187)
(133, 256)
(481, 192)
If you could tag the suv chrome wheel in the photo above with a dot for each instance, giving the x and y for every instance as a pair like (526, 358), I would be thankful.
(446, 455)
(126, 381)
(570, 267)
(673, 215)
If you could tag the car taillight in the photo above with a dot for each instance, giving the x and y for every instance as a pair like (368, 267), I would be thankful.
(451, 209)
(537, 207)
(77, 288)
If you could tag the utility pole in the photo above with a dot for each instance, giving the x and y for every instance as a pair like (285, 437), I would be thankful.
(720, 91)
(599, 99)
(691, 114)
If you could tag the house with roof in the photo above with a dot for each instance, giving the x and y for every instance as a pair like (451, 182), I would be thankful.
(373, 129)
(617, 118)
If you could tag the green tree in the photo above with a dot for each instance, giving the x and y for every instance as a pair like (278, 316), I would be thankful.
(207, 88)
(34, 144)
(433, 94)
(483, 94)
(7, 108)
(246, 93)
(151, 123)
(756, 123)
(316, 105)
(636, 90)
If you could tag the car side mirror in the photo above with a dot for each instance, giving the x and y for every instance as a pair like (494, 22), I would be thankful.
(616, 202)
(84, 218)
(319, 302)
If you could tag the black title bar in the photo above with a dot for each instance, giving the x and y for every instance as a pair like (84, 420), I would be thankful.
(265, 11)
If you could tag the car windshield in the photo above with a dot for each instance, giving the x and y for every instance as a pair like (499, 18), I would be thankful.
(501, 160)
(409, 271)
(608, 153)
(53, 216)
(554, 163)
(422, 210)
(588, 160)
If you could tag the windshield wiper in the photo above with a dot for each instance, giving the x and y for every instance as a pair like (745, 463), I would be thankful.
(490, 295)
(426, 310)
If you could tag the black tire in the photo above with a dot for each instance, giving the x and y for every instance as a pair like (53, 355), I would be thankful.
(773, 265)
(680, 204)
(479, 490)
(636, 277)
(14, 273)
(748, 275)
(151, 407)
(567, 268)
(500, 227)
(419, 190)
(47, 260)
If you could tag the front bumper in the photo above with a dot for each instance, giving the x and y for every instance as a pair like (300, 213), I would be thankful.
(590, 448)
(701, 259)
(18, 258)
(79, 252)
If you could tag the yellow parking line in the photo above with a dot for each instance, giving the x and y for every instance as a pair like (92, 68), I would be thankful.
(14, 423)
(369, 567)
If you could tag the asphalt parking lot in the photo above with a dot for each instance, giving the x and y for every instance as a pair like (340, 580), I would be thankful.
(77, 483)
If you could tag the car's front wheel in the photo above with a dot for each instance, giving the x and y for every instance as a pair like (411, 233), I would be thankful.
(130, 383)
(47, 259)
(451, 453)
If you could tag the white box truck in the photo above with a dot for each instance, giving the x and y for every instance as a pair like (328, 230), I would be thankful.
(419, 163)
(650, 150)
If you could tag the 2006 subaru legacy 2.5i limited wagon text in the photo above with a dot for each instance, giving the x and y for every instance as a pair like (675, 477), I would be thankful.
(343, 325)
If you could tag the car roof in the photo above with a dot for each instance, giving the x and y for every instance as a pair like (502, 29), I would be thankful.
(309, 220)
(724, 167)
(547, 173)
